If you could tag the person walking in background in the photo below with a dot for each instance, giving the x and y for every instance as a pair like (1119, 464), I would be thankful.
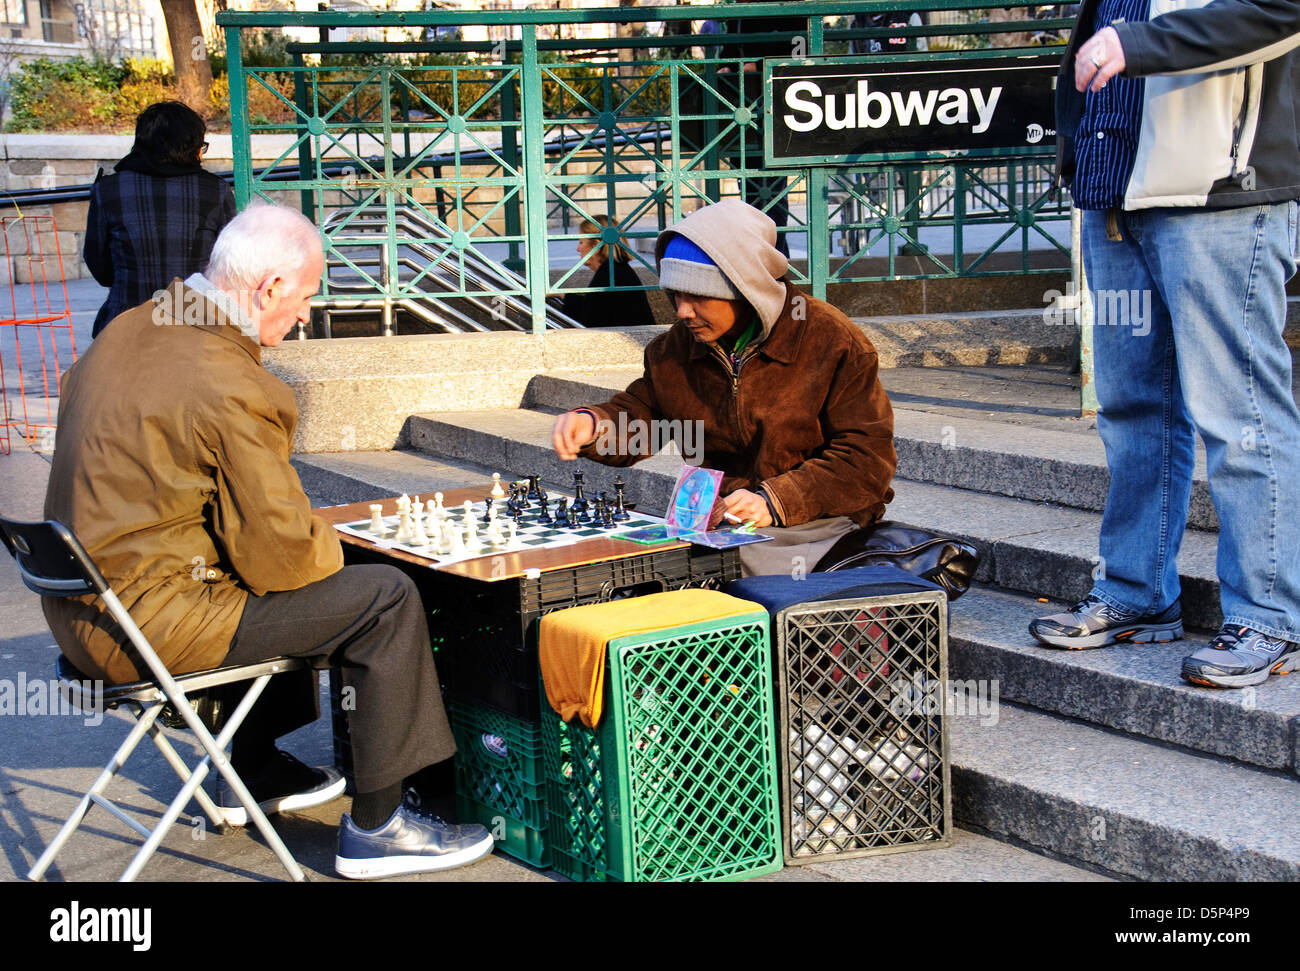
(156, 217)
(618, 303)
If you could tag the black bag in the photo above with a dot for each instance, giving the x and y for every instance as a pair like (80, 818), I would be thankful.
(943, 560)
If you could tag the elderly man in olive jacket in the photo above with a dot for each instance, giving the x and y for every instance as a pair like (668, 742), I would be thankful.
(171, 465)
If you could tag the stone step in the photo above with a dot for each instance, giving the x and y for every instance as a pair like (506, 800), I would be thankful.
(1135, 688)
(1047, 551)
(1134, 808)
(519, 442)
(1027, 546)
(1055, 459)
(971, 858)
(336, 478)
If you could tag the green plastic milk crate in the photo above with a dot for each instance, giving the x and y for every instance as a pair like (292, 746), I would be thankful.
(499, 778)
(678, 781)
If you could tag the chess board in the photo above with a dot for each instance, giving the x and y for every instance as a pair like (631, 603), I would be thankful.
(530, 534)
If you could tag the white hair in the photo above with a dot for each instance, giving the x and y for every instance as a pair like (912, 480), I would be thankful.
(262, 241)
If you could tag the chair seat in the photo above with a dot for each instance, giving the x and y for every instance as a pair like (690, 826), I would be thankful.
(86, 692)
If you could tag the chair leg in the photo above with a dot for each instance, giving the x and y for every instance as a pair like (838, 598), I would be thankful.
(173, 758)
(144, 721)
(216, 755)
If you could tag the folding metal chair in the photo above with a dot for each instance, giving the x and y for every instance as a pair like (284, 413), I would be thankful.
(53, 563)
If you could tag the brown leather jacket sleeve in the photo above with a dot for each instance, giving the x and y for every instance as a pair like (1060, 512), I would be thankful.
(852, 471)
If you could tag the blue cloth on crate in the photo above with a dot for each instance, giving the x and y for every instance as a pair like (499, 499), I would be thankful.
(778, 592)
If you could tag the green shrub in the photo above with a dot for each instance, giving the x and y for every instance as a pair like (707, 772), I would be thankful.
(64, 94)
(134, 96)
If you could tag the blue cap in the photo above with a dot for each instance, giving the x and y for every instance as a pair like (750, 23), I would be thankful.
(688, 269)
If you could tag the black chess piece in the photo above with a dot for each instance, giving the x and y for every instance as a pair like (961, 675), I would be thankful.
(580, 503)
(545, 518)
(620, 514)
(534, 487)
(522, 502)
(598, 511)
(487, 510)
(562, 513)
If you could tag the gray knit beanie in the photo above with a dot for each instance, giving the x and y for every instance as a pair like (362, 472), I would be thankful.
(688, 269)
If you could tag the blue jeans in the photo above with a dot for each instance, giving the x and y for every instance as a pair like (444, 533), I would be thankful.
(1191, 305)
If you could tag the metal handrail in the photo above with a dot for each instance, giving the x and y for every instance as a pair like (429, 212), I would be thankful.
(477, 270)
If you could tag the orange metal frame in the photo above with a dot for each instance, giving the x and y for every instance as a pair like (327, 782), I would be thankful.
(33, 240)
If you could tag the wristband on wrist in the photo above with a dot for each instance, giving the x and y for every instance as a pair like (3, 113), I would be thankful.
(595, 423)
(771, 509)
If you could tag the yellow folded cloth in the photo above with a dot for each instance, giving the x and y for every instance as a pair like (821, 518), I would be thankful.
(572, 643)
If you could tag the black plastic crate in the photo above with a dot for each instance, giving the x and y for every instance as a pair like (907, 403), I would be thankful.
(484, 633)
(488, 630)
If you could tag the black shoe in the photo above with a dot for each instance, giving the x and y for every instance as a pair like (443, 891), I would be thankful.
(284, 784)
(1095, 623)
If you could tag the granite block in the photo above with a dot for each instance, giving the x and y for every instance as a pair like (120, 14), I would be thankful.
(1132, 687)
(1131, 807)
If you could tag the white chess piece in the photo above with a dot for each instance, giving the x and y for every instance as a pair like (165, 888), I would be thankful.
(376, 518)
(497, 491)
(472, 542)
(437, 504)
(512, 529)
(457, 545)
(494, 535)
(404, 525)
(420, 537)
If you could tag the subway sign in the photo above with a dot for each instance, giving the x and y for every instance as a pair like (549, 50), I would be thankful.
(831, 111)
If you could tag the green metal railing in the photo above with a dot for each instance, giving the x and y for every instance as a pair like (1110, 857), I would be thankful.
(496, 159)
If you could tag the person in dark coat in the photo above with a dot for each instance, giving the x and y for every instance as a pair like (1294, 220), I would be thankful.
(617, 305)
(156, 217)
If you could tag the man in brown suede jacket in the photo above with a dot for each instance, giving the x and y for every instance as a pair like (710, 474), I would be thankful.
(785, 385)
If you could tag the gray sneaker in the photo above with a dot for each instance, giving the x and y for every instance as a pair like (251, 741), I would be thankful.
(1238, 657)
(1094, 623)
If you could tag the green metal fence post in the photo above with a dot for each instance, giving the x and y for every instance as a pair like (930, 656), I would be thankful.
(306, 196)
(710, 105)
(510, 153)
(240, 139)
(817, 197)
(539, 270)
